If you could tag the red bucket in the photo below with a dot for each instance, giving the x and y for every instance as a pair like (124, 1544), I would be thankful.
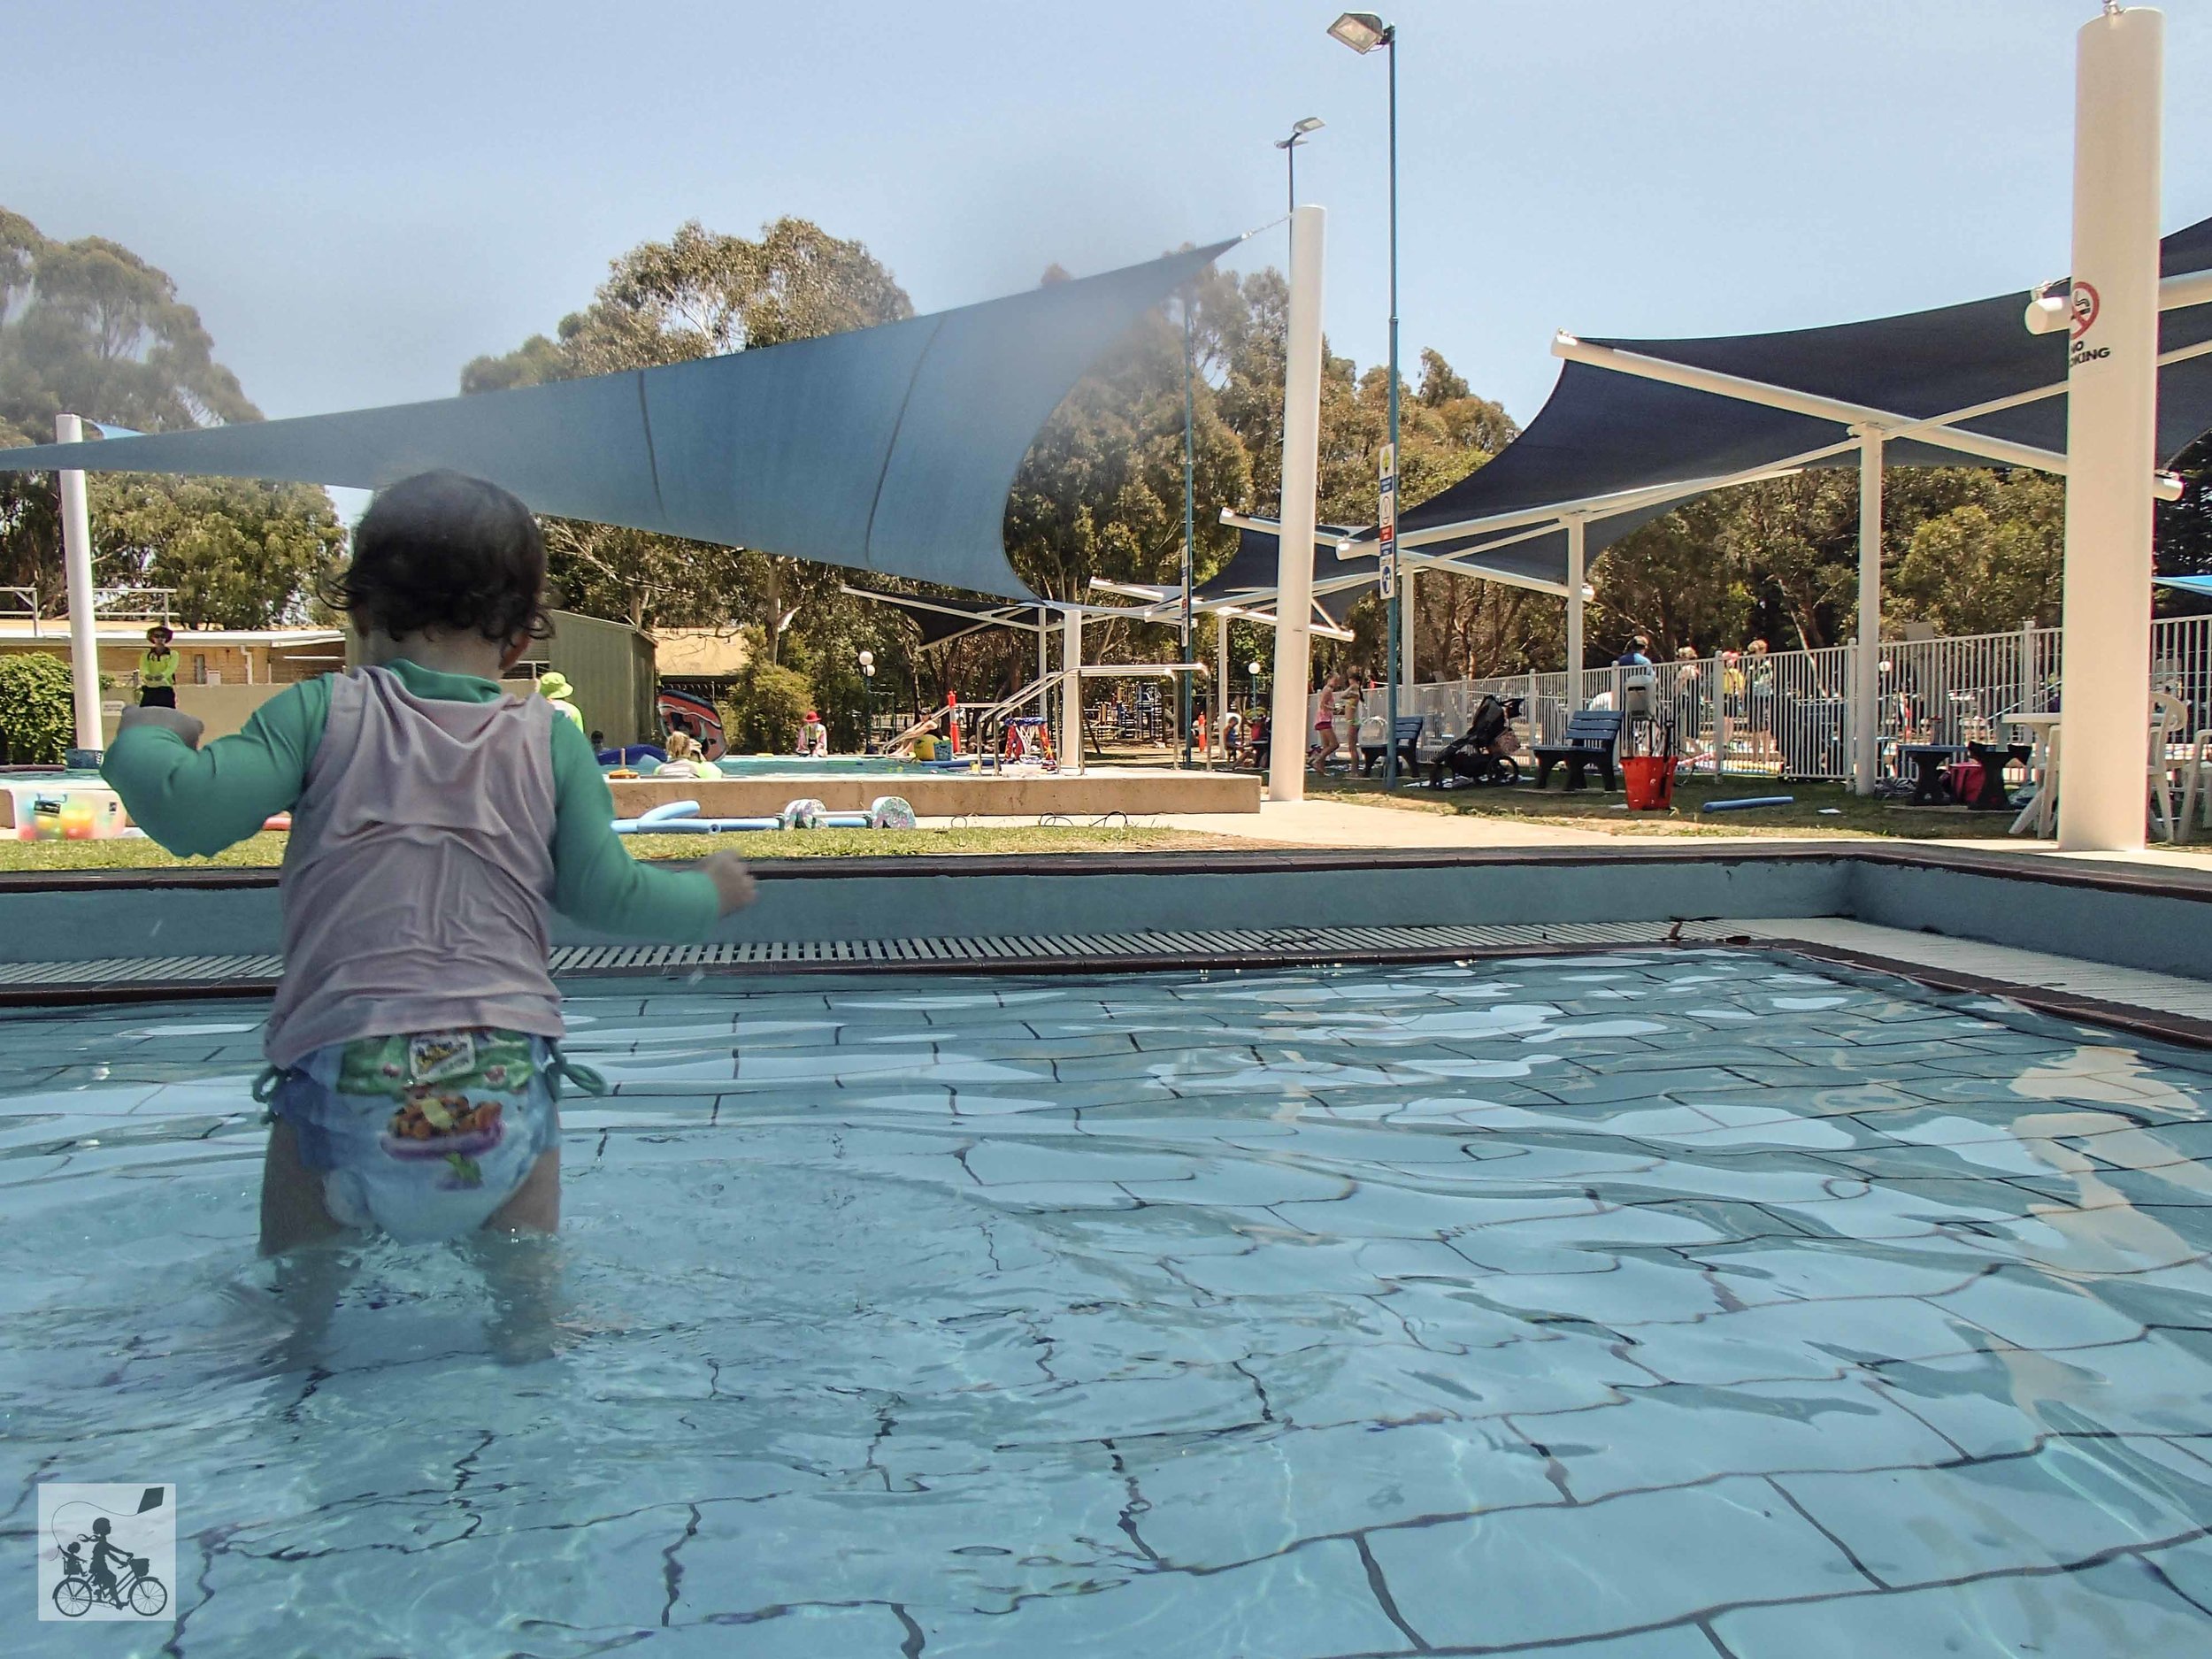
(1649, 781)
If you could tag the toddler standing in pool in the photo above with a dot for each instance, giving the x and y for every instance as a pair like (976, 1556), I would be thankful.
(437, 819)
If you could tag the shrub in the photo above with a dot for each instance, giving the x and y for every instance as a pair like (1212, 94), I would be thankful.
(765, 709)
(38, 711)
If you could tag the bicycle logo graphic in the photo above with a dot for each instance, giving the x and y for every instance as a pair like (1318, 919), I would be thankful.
(104, 1550)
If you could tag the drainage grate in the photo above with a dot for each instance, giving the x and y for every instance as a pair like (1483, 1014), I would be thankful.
(1201, 946)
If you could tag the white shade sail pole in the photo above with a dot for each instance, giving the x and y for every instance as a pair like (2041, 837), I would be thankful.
(1576, 526)
(1221, 682)
(1302, 460)
(76, 545)
(1866, 689)
(1412, 633)
(2111, 430)
(1072, 689)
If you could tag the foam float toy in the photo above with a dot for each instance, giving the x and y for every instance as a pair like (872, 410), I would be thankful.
(1744, 804)
(681, 817)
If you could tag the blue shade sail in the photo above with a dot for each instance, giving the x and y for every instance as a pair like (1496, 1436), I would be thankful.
(1602, 433)
(889, 449)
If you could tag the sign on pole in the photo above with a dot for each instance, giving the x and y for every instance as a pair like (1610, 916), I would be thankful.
(1387, 551)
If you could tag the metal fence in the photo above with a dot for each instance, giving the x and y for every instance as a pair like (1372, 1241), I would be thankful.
(1789, 712)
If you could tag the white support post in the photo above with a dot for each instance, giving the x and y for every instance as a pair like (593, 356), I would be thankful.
(1866, 688)
(1071, 690)
(84, 639)
(1302, 447)
(2111, 432)
(1044, 664)
(1412, 631)
(1576, 526)
(1221, 683)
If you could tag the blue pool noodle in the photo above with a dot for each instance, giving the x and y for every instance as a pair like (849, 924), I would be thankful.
(1745, 803)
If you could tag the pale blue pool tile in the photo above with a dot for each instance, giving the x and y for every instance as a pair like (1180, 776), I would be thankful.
(2073, 1500)
(2118, 1609)
(2028, 1310)
(1257, 1496)
(1801, 1340)
(1817, 1269)
(1606, 1567)
(1672, 1435)
(1313, 1602)
(1390, 1383)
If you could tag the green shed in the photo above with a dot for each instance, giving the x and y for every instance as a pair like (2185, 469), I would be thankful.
(610, 665)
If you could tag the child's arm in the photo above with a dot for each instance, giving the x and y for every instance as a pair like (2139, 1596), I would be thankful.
(199, 801)
(596, 882)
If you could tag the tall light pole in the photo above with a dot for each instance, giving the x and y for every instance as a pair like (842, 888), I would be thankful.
(1182, 680)
(1364, 32)
(1289, 147)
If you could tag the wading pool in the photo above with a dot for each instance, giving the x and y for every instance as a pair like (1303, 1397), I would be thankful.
(1671, 1303)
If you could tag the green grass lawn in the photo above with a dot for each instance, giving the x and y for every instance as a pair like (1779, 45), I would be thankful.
(1819, 809)
(267, 851)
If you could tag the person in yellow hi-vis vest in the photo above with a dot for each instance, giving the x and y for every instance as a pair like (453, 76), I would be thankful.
(158, 670)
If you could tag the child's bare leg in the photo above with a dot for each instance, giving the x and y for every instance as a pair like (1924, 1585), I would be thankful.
(535, 1205)
(292, 1212)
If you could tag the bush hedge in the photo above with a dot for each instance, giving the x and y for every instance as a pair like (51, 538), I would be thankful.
(38, 710)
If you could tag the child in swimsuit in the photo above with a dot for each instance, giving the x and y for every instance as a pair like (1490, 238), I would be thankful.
(437, 820)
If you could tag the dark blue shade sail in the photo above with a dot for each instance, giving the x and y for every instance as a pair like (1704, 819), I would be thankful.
(1602, 433)
(889, 449)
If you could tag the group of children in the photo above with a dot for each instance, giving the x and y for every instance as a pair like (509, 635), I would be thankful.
(438, 821)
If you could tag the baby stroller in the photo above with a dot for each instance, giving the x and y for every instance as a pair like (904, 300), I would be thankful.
(1483, 753)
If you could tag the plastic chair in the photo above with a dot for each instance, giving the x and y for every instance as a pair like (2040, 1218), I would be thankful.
(2169, 717)
(2196, 785)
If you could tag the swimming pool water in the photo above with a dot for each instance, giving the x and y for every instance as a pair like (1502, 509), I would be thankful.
(796, 766)
(1665, 1304)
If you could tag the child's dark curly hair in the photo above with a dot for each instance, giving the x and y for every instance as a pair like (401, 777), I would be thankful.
(447, 553)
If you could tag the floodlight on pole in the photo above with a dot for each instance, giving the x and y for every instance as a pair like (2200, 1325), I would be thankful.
(1289, 147)
(1364, 32)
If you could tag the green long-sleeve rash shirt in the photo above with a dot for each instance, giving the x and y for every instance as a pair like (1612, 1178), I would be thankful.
(200, 800)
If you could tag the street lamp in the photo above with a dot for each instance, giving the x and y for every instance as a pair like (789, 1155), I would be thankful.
(1289, 147)
(1364, 32)
(868, 681)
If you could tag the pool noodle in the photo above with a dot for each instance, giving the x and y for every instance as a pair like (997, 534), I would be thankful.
(1745, 803)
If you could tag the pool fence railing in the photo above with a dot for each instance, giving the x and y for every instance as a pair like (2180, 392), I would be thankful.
(1789, 712)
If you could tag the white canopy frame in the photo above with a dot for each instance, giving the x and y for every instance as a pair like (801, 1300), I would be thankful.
(1870, 430)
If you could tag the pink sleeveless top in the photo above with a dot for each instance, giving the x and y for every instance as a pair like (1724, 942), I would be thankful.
(419, 878)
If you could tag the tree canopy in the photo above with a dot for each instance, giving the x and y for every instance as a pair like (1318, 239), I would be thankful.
(88, 326)
(700, 294)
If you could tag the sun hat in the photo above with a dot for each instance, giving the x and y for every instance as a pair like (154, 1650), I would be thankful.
(554, 684)
(162, 630)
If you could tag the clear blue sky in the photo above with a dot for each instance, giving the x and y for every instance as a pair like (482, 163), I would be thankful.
(360, 197)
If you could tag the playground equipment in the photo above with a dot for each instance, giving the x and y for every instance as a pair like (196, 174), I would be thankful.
(681, 817)
(1026, 739)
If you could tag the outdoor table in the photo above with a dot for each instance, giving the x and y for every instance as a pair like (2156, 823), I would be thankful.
(1928, 760)
(2042, 811)
(1992, 796)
